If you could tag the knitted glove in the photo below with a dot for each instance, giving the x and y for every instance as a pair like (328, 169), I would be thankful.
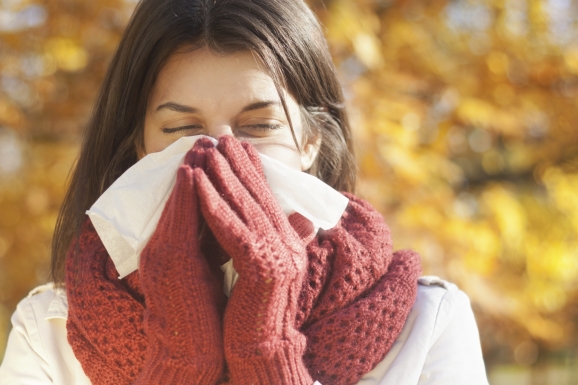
(262, 345)
(182, 320)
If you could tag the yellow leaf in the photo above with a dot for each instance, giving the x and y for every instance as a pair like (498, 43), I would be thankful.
(68, 55)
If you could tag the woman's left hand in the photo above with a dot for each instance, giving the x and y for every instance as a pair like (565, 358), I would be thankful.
(260, 340)
(182, 317)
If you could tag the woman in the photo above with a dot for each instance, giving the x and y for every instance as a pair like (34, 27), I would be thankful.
(336, 306)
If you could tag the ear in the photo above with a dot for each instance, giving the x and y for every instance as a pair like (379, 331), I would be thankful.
(309, 152)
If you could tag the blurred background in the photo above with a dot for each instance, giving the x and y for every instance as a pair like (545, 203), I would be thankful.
(465, 116)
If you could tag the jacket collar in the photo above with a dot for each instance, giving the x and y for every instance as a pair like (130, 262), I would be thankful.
(58, 306)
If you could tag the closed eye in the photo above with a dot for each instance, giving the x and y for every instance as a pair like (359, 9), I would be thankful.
(263, 126)
(172, 130)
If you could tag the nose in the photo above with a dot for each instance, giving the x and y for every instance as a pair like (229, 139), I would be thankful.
(219, 130)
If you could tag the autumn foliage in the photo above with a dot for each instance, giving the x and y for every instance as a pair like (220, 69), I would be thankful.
(464, 114)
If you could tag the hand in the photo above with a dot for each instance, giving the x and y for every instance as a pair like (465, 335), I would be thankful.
(261, 343)
(182, 320)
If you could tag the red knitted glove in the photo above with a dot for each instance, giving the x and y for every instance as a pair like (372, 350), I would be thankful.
(262, 345)
(182, 320)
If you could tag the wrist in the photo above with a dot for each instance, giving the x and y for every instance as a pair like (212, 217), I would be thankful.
(269, 363)
(260, 316)
(159, 368)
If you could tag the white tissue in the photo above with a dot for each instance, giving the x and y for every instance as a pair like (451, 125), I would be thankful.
(126, 215)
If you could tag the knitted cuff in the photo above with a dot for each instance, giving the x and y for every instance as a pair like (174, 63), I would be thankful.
(282, 365)
(160, 370)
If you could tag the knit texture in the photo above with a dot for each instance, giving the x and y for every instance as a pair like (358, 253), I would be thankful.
(104, 325)
(182, 318)
(356, 297)
(259, 323)
(307, 306)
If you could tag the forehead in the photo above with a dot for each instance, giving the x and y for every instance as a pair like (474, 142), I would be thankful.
(203, 76)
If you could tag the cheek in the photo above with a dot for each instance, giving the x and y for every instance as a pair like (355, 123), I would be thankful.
(285, 152)
(155, 141)
(153, 146)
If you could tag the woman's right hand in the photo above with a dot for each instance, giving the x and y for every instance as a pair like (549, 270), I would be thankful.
(261, 343)
(182, 318)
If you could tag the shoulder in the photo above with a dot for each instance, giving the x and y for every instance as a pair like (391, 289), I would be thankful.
(45, 302)
(37, 339)
(439, 300)
(438, 328)
(455, 341)
(38, 351)
(42, 304)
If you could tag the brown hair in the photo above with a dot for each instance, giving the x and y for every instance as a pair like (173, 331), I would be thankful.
(284, 34)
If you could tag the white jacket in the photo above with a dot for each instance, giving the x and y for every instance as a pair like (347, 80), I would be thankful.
(439, 344)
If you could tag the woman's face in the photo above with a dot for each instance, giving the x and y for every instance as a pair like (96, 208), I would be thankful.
(200, 92)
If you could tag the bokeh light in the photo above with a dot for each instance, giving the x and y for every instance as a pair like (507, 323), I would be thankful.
(464, 114)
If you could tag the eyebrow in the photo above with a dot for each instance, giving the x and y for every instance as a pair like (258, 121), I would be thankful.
(191, 110)
(261, 104)
(177, 107)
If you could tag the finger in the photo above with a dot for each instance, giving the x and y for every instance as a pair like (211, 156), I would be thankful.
(226, 182)
(254, 157)
(181, 210)
(211, 248)
(178, 224)
(253, 178)
(195, 157)
(242, 165)
(227, 227)
(302, 226)
(204, 142)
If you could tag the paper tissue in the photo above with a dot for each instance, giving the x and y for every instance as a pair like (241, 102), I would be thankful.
(125, 216)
